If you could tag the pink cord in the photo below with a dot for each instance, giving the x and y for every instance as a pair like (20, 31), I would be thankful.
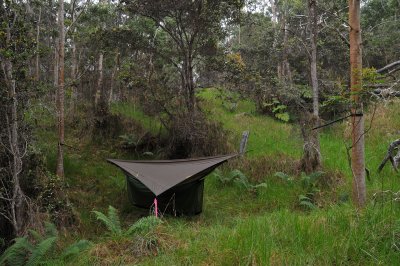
(155, 206)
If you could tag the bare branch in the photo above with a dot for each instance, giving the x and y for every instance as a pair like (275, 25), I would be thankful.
(389, 67)
(389, 155)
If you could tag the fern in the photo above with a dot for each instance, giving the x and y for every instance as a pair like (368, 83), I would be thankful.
(261, 185)
(75, 249)
(111, 221)
(35, 235)
(283, 176)
(221, 177)
(143, 225)
(239, 179)
(22, 252)
(40, 250)
(50, 229)
(16, 254)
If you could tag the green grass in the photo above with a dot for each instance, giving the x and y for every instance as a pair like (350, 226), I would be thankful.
(267, 136)
(133, 111)
(238, 227)
(324, 237)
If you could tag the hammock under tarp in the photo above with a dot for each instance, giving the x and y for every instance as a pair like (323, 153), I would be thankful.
(177, 185)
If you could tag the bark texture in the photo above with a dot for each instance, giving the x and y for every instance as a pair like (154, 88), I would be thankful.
(99, 81)
(17, 198)
(357, 121)
(60, 92)
(313, 60)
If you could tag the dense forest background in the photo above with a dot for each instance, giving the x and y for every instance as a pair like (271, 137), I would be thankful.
(81, 81)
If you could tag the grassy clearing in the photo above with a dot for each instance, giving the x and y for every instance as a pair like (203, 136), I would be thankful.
(237, 226)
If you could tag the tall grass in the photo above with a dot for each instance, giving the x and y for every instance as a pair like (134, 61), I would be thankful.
(267, 228)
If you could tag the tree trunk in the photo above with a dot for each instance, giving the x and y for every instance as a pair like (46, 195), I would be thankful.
(311, 160)
(74, 73)
(56, 59)
(284, 73)
(192, 98)
(274, 17)
(99, 81)
(312, 16)
(60, 94)
(37, 62)
(17, 195)
(357, 121)
(113, 75)
(188, 83)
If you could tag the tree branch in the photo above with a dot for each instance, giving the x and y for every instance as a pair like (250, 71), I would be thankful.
(389, 67)
(389, 155)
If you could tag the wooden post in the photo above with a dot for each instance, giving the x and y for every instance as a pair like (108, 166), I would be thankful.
(243, 142)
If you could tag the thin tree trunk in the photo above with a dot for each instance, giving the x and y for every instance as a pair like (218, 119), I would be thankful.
(56, 59)
(113, 75)
(37, 62)
(274, 17)
(284, 73)
(192, 98)
(313, 60)
(99, 81)
(17, 198)
(74, 72)
(357, 121)
(311, 160)
(60, 94)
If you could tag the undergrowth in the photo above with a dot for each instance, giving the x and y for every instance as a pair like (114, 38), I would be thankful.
(275, 226)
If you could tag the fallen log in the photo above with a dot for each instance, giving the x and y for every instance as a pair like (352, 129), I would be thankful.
(394, 159)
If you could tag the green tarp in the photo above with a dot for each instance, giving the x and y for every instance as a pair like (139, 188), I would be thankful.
(177, 184)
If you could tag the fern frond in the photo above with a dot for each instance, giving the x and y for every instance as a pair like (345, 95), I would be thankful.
(114, 218)
(283, 176)
(112, 224)
(144, 225)
(36, 236)
(242, 183)
(51, 229)
(16, 254)
(261, 185)
(40, 250)
(75, 248)
(308, 204)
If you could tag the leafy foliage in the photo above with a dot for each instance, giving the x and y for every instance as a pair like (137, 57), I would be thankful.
(31, 253)
(75, 249)
(40, 250)
(112, 222)
(16, 254)
(143, 225)
(278, 109)
(238, 178)
(285, 177)
(309, 184)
